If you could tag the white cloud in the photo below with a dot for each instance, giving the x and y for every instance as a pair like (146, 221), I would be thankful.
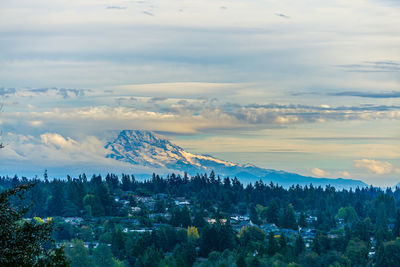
(286, 119)
(318, 172)
(54, 139)
(375, 166)
(36, 123)
(345, 174)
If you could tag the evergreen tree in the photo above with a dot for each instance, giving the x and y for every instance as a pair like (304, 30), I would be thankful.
(396, 228)
(299, 246)
(254, 216)
(21, 241)
(78, 254)
(272, 244)
(198, 220)
(126, 183)
(288, 219)
(302, 220)
(273, 212)
(57, 200)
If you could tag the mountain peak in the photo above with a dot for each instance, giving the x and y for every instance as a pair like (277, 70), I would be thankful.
(142, 135)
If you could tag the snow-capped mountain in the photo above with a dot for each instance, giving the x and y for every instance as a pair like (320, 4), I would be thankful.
(145, 148)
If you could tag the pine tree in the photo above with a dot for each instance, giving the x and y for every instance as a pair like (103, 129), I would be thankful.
(299, 246)
(22, 241)
(272, 244)
(273, 212)
(288, 219)
(396, 229)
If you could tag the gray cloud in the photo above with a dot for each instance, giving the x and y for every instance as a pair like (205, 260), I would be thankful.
(276, 115)
(157, 99)
(372, 66)
(117, 7)
(148, 13)
(282, 15)
(7, 91)
(64, 92)
(392, 94)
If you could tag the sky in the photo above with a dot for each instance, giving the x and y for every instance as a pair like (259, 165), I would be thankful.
(311, 86)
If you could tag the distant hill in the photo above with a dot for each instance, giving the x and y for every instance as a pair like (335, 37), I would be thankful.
(145, 148)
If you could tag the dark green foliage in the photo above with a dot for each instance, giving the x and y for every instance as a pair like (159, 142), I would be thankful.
(346, 221)
(272, 244)
(216, 237)
(254, 216)
(272, 213)
(299, 246)
(22, 242)
(356, 252)
(288, 219)
(389, 254)
(185, 254)
(302, 220)
(396, 228)
(198, 220)
(78, 254)
(149, 258)
(181, 217)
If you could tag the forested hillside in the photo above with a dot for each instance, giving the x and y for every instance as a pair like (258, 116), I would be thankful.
(206, 220)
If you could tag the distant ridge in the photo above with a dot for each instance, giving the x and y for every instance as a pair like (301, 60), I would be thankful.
(145, 148)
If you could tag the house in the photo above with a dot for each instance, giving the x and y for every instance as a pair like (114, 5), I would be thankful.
(182, 203)
(74, 220)
(91, 244)
(141, 230)
(269, 227)
(136, 209)
(311, 219)
(212, 221)
(239, 218)
(308, 235)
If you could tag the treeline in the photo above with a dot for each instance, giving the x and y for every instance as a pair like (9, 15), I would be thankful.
(73, 196)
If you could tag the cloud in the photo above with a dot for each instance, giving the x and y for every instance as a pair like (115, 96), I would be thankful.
(7, 91)
(372, 66)
(185, 115)
(157, 99)
(375, 166)
(318, 172)
(393, 94)
(64, 92)
(54, 139)
(148, 13)
(36, 123)
(282, 15)
(345, 174)
(117, 7)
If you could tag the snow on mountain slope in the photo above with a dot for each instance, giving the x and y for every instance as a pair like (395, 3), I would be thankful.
(144, 148)
(148, 149)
